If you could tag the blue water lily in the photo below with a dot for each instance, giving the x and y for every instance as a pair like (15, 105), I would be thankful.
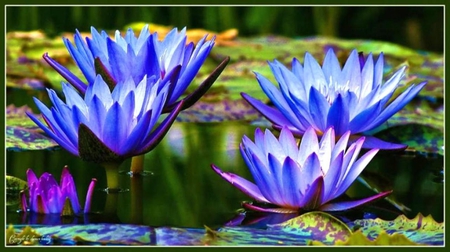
(172, 59)
(301, 177)
(353, 98)
(106, 125)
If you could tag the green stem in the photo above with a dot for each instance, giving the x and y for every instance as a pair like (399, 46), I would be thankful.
(111, 204)
(137, 165)
(137, 212)
(112, 175)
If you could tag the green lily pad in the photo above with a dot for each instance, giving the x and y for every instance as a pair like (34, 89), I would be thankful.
(422, 230)
(419, 138)
(13, 187)
(309, 228)
(318, 225)
(24, 134)
(383, 239)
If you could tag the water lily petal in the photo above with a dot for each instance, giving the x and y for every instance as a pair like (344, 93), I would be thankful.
(242, 184)
(342, 206)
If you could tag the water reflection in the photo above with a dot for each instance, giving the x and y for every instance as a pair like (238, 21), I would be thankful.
(181, 190)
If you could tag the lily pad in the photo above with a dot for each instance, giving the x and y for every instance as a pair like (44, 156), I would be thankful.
(422, 230)
(421, 139)
(383, 239)
(24, 134)
(13, 187)
(317, 225)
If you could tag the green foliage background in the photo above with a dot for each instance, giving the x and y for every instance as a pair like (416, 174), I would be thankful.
(417, 27)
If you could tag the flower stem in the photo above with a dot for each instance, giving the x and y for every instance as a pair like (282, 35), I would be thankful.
(137, 213)
(112, 175)
(111, 204)
(137, 165)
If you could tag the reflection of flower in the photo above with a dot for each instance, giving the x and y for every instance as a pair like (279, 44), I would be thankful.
(108, 126)
(353, 98)
(304, 177)
(47, 197)
(172, 59)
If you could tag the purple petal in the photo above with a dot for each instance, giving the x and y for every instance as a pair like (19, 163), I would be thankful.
(367, 76)
(310, 171)
(313, 195)
(318, 108)
(354, 171)
(332, 177)
(268, 210)
(291, 181)
(157, 135)
(308, 145)
(372, 142)
(133, 140)
(64, 72)
(90, 192)
(120, 66)
(351, 72)
(313, 72)
(152, 61)
(397, 104)
(31, 177)
(331, 66)
(266, 181)
(272, 114)
(288, 142)
(278, 99)
(338, 116)
(68, 190)
(114, 130)
(85, 64)
(342, 206)
(61, 141)
(360, 122)
(242, 184)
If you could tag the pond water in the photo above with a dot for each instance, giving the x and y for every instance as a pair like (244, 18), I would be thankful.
(181, 190)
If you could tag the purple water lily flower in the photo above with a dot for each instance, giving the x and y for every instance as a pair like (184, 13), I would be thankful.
(301, 177)
(130, 56)
(352, 98)
(108, 126)
(47, 197)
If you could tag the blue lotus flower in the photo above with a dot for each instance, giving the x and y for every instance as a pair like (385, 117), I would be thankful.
(301, 177)
(108, 126)
(172, 60)
(352, 98)
(47, 197)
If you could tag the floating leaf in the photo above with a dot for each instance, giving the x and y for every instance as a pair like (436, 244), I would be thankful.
(422, 230)
(13, 187)
(27, 236)
(24, 134)
(384, 239)
(318, 225)
(421, 139)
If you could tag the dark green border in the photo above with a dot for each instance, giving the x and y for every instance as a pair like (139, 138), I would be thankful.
(214, 2)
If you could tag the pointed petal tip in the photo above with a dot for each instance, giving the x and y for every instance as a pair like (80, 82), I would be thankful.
(372, 142)
(268, 210)
(343, 206)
